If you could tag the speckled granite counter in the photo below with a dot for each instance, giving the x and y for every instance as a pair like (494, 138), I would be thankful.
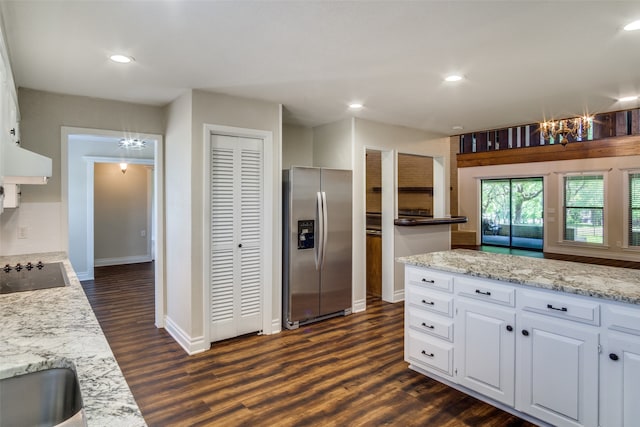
(619, 284)
(57, 328)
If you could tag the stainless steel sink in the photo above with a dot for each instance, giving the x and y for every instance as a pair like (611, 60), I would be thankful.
(46, 398)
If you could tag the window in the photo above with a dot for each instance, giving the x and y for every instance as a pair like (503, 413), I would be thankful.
(634, 209)
(584, 208)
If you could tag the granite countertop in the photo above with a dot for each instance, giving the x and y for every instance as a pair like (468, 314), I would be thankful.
(57, 328)
(619, 284)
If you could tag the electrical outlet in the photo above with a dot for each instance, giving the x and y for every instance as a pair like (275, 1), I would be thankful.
(143, 233)
(22, 232)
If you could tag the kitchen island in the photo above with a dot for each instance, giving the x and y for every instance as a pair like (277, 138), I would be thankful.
(56, 327)
(554, 342)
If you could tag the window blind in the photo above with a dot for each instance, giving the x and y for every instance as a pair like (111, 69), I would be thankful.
(584, 208)
(634, 209)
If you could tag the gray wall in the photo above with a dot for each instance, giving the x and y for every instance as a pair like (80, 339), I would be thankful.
(297, 146)
(121, 212)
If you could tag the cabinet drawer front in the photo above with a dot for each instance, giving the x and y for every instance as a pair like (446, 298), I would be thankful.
(428, 278)
(560, 306)
(431, 353)
(484, 291)
(429, 300)
(431, 324)
(623, 319)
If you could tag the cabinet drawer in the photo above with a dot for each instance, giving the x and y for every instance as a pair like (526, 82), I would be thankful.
(431, 324)
(431, 353)
(560, 306)
(623, 319)
(436, 302)
(484, 291)
(428, 278)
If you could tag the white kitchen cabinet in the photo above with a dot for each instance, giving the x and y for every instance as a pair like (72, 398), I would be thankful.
(485, 349)
(429, 323)
(557, 370)
(11, 196)
(620, 361)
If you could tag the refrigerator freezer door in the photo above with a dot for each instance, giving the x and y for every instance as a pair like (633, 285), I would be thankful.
(335, 286)
(303, 299)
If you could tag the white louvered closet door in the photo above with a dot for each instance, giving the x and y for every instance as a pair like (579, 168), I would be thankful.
(236, 236)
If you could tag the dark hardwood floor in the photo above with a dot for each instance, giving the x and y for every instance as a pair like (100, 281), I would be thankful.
(346, 371)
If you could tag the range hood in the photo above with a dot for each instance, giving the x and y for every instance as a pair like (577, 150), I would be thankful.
(25, 167)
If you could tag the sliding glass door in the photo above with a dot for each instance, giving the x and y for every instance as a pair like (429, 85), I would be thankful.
(512, 212)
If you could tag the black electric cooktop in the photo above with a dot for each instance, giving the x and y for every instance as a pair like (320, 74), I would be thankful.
(31, 276)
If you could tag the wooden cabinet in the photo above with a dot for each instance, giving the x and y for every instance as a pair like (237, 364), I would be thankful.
(374, 264)
(557, 370)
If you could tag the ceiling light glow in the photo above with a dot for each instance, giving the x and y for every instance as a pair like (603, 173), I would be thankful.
(457, 127)
(635, 25)
(453, 78)
(121, 59)
(355, 105)
(628, 98)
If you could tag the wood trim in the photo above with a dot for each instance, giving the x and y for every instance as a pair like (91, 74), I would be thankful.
(609, 147)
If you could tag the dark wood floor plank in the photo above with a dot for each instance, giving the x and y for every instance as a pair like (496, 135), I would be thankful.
(345, 371)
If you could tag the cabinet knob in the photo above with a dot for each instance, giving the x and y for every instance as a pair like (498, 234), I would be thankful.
(525, 332)
(613, 356)
(509, 328)
(240, 245)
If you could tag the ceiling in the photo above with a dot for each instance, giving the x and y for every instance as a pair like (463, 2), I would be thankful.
(522, 61)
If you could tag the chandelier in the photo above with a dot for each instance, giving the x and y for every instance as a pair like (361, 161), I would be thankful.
(132, 144)
(577, 128)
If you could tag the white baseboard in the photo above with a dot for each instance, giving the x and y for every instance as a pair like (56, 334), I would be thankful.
(103, 262)
(276, 326)
(359, 305)
(398, 296)
(84, 275)
(190, 345)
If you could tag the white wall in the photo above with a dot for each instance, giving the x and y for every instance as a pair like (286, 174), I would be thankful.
(333, 146)
(185, 206)
(469, 201)
(393, 139)
(297, 146)
(178, 208)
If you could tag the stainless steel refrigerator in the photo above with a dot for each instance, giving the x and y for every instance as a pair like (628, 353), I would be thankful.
(316, 244)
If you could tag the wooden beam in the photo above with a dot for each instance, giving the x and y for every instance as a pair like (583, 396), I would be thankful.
(609, 147)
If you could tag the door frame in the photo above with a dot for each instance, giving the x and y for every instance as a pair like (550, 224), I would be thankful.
(267, 206)
(510, 246)
(66, 132)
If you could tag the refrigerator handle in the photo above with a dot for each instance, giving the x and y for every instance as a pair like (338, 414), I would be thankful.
(320, 232)
(325, 227)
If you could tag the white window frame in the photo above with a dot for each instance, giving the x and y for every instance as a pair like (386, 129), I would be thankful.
(605, 209)
(626, 202)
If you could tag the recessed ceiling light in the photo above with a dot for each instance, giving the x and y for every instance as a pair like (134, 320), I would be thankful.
(453, 78)
(355, 105)
(457, 127)
(121, 59)
(628, 98)
(635, 25)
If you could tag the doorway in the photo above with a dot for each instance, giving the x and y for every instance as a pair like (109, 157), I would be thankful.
(512, 212)
(81, 148)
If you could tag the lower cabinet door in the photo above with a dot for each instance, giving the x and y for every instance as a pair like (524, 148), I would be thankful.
(485, 349)
(620, 399)
(557, 371)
